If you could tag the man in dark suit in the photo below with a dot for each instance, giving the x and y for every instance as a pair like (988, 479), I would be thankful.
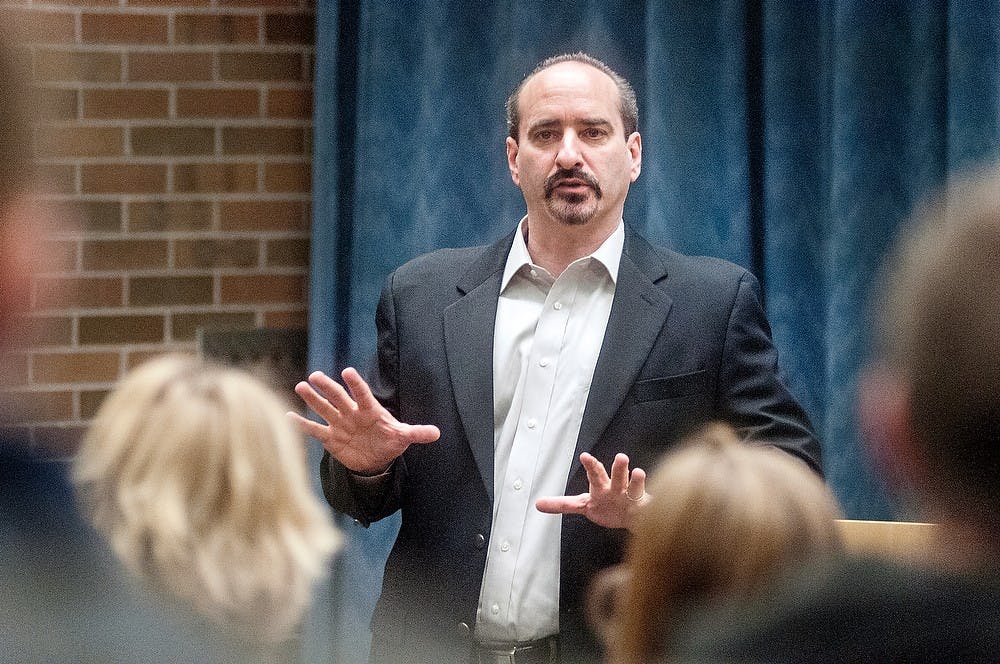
(509, 377)
(930, 407)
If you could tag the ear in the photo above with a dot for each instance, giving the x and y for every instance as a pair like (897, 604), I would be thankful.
(512, 149)
(884, 412)
(634, 145)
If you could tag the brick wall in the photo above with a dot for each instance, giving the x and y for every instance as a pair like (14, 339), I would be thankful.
(182, 132)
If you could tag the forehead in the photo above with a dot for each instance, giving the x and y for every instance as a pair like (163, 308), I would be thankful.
(569, 89)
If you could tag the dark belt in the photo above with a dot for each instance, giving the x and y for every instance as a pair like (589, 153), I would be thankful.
(542, 651)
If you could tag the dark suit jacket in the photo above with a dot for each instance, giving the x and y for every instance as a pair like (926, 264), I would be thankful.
(686, 341)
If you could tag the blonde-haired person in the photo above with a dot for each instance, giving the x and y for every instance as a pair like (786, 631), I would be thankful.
(198, 480)
(722, 520)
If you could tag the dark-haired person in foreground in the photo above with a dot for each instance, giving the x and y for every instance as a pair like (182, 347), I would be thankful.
(510, 377)
(931, 410)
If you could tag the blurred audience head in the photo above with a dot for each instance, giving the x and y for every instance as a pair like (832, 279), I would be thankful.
(931, 407)
(199, 482)
(724, 519)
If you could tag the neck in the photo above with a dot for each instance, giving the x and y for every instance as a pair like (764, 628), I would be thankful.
(554, 245)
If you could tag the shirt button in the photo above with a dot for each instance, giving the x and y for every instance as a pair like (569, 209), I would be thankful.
(534, 273)
(544, 362)
(495, 609)
(557, 306)
(518, 484)
(505, 546)
(532, 423)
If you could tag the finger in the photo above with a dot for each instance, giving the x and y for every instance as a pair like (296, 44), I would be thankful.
(596, 474)
(309, 427)
(637, 483)
(563, 504)
(419, 433)
(619, 473)
(317, 402)
(359, 389)
(332, 391)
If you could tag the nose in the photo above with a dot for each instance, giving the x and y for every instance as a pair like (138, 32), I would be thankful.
(569, 151)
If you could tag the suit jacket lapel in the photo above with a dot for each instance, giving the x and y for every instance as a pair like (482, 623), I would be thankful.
(638, 313)
(468, 336)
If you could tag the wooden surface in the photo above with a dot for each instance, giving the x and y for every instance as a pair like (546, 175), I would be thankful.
(894, 539)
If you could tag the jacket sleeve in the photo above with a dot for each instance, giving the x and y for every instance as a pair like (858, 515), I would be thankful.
(752, 394)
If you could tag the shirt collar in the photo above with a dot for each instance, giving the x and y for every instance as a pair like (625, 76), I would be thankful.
(609, 254)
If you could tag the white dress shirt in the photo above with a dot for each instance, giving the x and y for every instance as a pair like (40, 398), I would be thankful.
(547, 336)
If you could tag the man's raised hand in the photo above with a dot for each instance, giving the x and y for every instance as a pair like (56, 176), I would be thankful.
(612, 499)
(358, 431)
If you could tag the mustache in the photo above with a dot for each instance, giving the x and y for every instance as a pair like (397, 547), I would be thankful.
(563, 174)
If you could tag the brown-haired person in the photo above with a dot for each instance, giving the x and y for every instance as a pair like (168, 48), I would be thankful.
(722, 520)
(930, 408)
(199, 482)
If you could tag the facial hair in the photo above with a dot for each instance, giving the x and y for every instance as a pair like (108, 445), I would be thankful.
(572, 209)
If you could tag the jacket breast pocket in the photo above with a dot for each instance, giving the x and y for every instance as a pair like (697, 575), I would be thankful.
(671, 387)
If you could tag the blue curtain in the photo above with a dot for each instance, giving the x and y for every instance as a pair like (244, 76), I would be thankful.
(790, 137)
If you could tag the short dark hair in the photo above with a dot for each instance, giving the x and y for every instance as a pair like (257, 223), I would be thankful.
(941, 335)
(627, 104)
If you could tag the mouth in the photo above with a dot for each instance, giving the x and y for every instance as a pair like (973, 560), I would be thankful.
(572, 183)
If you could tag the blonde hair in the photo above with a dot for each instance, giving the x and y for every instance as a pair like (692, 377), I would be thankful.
(723, 519)
(198, 480)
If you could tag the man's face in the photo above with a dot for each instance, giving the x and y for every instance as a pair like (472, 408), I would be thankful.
(572, 160)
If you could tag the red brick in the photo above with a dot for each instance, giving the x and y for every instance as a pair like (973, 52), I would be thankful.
(164, 291)
(216, 29)
(211, 178)
(73, 66)
(217, 103)
(155, 141)
(57, 178)
(258, 66)
(124, 103)
(290, 28)
(113, 330)
(53, 27)
(75, 367)
(90, 402)
(102, 215)
(185, 326)
(263, 215)
(290, 177)
(47, 406)
(124, 254)
(290, 252)
(58, 103)
(124, 178)
(171, 66)
(263, 289)
(212, 253)
(44, 331)
(124, 28)
(86, 292)
(161, 216)
(263, 140)
(80, 141)
(292, 318)
(290, 103)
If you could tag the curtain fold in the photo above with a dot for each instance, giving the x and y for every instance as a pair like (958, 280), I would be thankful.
(793, 138)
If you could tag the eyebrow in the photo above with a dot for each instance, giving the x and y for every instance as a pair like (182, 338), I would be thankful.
(586, 122)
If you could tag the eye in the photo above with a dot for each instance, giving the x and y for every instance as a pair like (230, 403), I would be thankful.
(594, 133)
(544, 135)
